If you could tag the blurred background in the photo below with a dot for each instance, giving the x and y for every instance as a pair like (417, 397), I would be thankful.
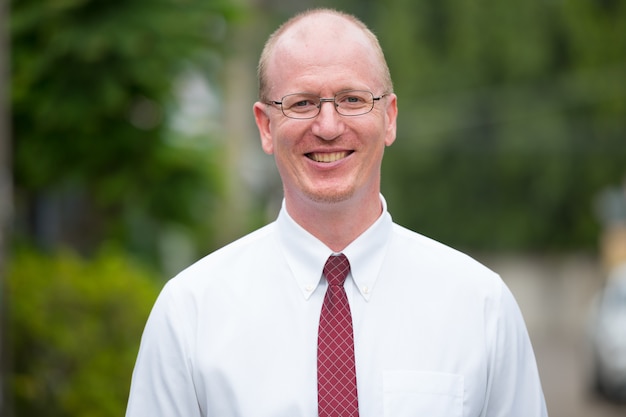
(128, 150)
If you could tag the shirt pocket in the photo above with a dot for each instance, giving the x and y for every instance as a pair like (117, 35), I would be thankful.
(418, 393)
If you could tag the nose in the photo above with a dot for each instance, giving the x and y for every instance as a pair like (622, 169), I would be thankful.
(328, 124)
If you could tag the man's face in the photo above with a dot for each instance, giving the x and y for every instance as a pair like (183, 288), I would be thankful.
(329, 158)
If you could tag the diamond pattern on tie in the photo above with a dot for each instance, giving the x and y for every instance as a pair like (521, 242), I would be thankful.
(336, 372)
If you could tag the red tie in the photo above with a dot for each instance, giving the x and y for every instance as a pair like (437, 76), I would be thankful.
(336, 373)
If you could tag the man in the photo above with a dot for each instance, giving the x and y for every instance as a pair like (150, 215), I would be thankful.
(251, 330)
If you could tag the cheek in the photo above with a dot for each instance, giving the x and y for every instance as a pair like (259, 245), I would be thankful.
(289, 139)
(271, 143)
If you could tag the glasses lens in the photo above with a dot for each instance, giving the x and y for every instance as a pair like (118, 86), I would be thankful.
(354, 102)
(301, 106)
(347, 103)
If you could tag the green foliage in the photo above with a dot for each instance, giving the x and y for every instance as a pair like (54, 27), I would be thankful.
(93, 84)
(92, 79)
(75, 327)
(512, 118)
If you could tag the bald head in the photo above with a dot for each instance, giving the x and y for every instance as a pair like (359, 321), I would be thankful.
(312, 31)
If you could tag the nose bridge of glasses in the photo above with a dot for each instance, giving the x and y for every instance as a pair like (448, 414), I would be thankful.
(323, 100)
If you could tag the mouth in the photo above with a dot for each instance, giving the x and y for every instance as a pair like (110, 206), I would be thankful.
(327, 157)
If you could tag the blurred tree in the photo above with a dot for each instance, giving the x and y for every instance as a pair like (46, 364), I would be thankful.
(512, 118)
(75, 331)
(6, 196)
(93, 84)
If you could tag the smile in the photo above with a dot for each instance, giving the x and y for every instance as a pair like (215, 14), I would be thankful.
(327, 157)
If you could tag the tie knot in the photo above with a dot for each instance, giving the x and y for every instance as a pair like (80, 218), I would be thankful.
(336, 269)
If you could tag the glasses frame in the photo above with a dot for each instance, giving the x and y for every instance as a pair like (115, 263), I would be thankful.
(323, 100)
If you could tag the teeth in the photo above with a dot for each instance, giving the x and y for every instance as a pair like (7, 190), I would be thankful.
(328, 157)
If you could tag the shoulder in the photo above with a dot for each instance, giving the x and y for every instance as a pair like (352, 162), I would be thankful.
(418, 252)
(204, 290)
(228, 262)
(411, 242)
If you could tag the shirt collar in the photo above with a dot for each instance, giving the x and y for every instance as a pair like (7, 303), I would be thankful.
(306, 255)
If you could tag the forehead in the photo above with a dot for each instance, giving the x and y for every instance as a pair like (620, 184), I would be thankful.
(322, 25)
(325, 47)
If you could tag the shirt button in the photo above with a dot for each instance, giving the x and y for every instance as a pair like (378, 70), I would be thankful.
(366, 290)
(309, 288)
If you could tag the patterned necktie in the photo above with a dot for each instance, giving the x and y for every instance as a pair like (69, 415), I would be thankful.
(336, 372)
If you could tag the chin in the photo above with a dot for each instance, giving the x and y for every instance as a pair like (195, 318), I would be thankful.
(331, 197)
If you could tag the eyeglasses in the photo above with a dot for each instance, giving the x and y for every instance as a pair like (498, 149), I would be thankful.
(308, 106)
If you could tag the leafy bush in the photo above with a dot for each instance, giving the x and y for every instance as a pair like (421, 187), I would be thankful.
(94, 87)
(75, 327)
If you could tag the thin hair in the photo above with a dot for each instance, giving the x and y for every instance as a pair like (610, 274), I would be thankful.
(273, 39)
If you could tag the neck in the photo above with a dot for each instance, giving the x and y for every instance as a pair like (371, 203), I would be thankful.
(335, 224)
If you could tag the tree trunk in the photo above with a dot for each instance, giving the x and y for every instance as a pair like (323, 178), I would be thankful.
(6, 200)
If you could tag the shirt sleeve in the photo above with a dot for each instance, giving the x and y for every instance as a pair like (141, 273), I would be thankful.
(162, 383)
(514, 387)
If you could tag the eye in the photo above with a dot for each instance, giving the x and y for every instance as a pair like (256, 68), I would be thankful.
(303, 103)
(300, 102)
(353, 99)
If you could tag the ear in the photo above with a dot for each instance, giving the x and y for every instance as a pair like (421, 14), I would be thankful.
(391, 113)
(263, 123)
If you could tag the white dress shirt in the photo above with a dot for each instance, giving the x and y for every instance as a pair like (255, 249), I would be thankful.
(436, 333)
